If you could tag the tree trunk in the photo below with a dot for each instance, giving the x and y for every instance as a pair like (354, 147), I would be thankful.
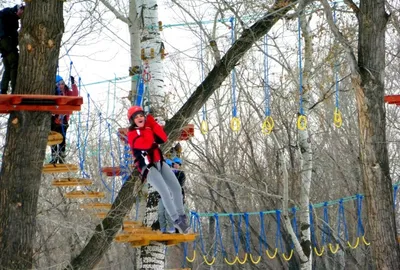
(42, 29)
(370, 90)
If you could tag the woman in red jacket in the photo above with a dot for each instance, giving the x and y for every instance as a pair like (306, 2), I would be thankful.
(144, 136)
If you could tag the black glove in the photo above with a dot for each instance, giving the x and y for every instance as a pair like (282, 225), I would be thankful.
(72, 80)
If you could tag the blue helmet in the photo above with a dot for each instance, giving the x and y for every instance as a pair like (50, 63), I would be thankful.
(169, 162)
(177, 160)
(59, 79)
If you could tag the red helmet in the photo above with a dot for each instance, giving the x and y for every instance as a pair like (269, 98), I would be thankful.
(134, 109)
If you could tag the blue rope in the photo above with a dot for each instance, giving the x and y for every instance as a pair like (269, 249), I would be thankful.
(342, 219)
(247, 233)
(294, 225)
(326, 236)
(218, 236)
(300, 71)
(396, 187)
(263, 237)
(112, 160)
(140, 92)
(312, 227)
(266, 78)
(278, 237)
(236, 241)
(234, 108)
(360, 227)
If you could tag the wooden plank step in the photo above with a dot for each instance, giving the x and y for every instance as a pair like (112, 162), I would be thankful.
(71, 182)
(54, 138)
(49, 103)
(157, 236)
(59, 168)
(84, 195)
(105, 206)
(132, 223)
(137, 229)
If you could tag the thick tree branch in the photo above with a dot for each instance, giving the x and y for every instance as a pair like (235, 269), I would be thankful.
(115, 12)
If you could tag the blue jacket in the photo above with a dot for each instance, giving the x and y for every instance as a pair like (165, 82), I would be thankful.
(9, 24)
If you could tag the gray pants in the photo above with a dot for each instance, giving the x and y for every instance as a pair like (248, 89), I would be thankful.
(165, 182)
(165, 220)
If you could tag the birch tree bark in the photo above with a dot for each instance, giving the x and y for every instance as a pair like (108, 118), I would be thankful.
(42, 29)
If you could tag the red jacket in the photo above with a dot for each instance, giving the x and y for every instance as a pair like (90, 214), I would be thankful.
(74, 92)
(144, 143)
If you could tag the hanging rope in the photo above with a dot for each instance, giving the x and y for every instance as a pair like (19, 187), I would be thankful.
(313, 237)
(268, 124)
(235, 121)
(337, 115)
(204, 123)
(99, 155)
(301, 119)
(82, 151)
(396, 187)
(112, 160)
(194, 222)
(360, 227)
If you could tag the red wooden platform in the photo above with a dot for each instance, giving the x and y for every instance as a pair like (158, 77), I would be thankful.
(111, 171)
(393, 99)
(186, 133)
(49, 103)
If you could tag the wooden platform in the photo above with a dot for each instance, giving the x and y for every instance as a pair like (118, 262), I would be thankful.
(111, 171)
(392, 99)
(59, 168)
(48, 103)
(103, 206)
(84, 195)
(132, 223)
(71, 182)
(54, 138)
(138, 240)
(138, 229)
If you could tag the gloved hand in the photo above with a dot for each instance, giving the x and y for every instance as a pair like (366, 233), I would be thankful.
(72, 80)
(160, 120)
(150, 121)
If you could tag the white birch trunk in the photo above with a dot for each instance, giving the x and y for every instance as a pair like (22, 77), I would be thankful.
(305, 144)
(152, 256)
(134, 36)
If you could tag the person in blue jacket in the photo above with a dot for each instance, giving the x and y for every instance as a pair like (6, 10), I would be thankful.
(9, 24)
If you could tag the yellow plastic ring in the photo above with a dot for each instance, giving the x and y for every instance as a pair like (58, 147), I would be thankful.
(355, 245)
(287, 258)
(334, 250)
(204, 127)
(268, 125)
(317, 253)
(365, 241)
(255, 261)
(235, 124)
(244, 259)
(231, 263)
(302, 122)
(207, 262)
(194, 257)
(271, 256)
(337, 118)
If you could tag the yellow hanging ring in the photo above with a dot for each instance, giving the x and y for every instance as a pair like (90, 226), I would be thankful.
(194, 257)
(235, 124)
(289, 257)
(271, 256)
(244, 259)
(207, 262)
(204, 127)
(255, 261)
(302, 122)
(355, 245)
(317, 253)
(268, 125)
(365, 241)
(337, 118)
(231, 263)
(333, 250)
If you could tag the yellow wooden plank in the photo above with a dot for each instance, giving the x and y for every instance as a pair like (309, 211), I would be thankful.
(54, 138)
(71, 182)
(59, 168)
(132, 223)
(136, 229)
(96, 206)
(84, 195)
